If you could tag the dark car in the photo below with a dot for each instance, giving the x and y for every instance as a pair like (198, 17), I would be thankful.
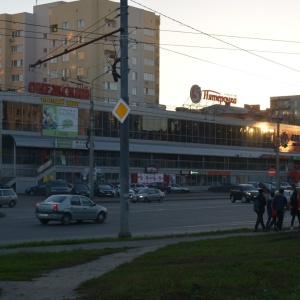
(104, 190)
(244, 192)
(80, 189)
(225, 187)
(57, 187)
(267, 187)
(163, 186)
(39, 190)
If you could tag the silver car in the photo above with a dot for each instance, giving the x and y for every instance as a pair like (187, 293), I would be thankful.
(148, 195)
(8, 197)
(67, 208)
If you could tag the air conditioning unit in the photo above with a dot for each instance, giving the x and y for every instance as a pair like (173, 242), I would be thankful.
(12, 39)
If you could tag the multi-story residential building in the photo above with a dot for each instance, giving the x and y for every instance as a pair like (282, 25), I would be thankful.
(54, 29)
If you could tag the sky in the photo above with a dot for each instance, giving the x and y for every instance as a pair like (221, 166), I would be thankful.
(246, 48)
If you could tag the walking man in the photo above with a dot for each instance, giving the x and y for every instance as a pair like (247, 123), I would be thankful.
(280, 203)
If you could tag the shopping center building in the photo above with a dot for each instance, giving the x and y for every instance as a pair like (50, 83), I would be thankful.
(44, 137)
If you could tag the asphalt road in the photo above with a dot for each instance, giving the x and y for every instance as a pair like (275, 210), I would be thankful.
(177, 214)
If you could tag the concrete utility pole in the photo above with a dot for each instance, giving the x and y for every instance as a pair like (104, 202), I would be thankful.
(124, 134)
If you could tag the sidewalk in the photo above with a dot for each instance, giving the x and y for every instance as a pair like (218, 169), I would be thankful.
(60, 284)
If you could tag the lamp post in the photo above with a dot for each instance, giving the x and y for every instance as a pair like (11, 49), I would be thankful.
(277, 146)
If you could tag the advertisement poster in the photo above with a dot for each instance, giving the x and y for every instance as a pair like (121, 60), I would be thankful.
(60, 121)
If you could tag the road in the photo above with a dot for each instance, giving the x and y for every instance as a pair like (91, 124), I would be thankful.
(176, 215)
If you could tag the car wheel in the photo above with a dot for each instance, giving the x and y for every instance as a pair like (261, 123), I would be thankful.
(100, 217)
(66, 219)
(244, 199)
(44, 222)
(232, 199)
(12, 203)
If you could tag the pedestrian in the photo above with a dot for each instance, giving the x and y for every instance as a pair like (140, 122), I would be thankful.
(295, 208)
(259, 208)
(280, 203)
(271, 212)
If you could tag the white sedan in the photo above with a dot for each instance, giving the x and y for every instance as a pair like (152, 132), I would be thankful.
(148, 195)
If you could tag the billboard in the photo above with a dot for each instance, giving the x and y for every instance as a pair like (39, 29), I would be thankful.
(60, 121)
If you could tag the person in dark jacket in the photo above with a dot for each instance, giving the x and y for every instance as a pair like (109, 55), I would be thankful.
(280, 203)
(260, 214)
(295, 206)
(271, 212)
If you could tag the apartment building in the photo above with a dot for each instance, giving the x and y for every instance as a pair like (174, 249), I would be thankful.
(52, 32)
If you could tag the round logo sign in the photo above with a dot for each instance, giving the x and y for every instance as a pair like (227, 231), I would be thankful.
(195, 93)
(272, 172)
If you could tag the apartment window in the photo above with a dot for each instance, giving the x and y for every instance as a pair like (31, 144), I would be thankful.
(149, 77)
(53, 60)
(80, 55)
(17, 48)
(17, 33)
(65, 25)
(110, 23)
(149, 32)
(80, 39)
(149, 47)
(53, 28)
(65, 41)
(110, 54)
(80, 23)
(17, 77)
(45, 50)
(45, 35)
(110, 86)
(134, 75)
(53, 74)
(17, 63)
(134, 60)
(45, 80)
(65, 73)
(65, 57)
(53, 43)
(80, 71)
(134, 91)
(150, 92)
(149, 62)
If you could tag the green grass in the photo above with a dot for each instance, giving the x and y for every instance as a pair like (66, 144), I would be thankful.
(255, 267)
(24, 266)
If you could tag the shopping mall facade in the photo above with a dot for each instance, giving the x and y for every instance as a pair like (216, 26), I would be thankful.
(44, 136)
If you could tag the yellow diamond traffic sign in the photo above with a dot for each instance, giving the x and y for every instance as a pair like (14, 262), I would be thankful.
(121, 110)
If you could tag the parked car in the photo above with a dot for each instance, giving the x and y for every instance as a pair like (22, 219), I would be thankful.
(104, 190)
(68, 208)
(148, 195)
(39, 190)
(118, 189)
(80, 189)
(163, 186)
(243, 192)
(285, 186)
(8, 197)
(57, 187)
(176, 188)
(222, 187)
(137, 186)
(267, 187)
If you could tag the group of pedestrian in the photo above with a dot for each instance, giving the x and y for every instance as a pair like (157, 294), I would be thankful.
(276, 205)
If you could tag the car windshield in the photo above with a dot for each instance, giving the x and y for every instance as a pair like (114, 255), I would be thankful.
(142, 191)
(56, 198)
(105, 186)
(248, 187)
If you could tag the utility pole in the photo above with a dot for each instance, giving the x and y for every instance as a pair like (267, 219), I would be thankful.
(124, 133)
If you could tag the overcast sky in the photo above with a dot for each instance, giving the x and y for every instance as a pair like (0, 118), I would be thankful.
(247, 48)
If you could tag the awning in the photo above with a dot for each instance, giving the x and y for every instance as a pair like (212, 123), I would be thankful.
(32, 141)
